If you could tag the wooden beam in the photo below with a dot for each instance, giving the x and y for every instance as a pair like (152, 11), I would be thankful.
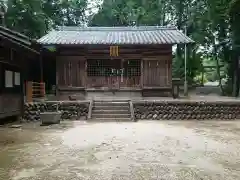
(155, 58)
(167, 69)
(12, 64)
(41, 67)
(131, 51)
(142, 73)
(85, 75)
(15, 43)
(105, 54)
(105, 50)
(102, 46)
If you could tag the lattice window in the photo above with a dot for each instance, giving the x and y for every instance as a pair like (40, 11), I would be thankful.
(98, 68)
(133, 68)
(129, 68)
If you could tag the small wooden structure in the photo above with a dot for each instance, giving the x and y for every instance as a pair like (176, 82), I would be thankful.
(113, 58)
(15, 51)
(35, 90)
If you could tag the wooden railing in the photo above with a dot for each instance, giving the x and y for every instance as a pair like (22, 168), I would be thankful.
(34, 90)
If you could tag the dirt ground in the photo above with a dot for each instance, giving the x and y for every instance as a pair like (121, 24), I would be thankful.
(163, 150)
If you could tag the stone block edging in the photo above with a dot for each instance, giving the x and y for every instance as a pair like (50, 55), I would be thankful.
(186, 110)
(69, 109)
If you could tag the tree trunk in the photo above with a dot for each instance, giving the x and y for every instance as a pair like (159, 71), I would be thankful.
(218, 70)
(236, 78)
(179, 9)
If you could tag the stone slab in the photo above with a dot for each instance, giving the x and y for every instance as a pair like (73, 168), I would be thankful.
(50, 117)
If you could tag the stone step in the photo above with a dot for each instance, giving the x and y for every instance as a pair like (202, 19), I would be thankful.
(111, 104)
(110, 107)
(112, 101)
(110, 116)
(110, 111)
(111, 119)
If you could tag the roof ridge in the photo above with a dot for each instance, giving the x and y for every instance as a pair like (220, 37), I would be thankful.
(116, 28)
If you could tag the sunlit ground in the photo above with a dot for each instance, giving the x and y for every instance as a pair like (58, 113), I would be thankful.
(164, 150)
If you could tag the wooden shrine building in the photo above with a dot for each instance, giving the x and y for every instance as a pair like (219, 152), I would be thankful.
(16, 55)
(112, 58)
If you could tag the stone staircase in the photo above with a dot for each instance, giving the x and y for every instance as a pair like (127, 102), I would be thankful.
(111, 110)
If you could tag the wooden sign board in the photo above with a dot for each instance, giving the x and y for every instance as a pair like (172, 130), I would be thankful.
(114, 51)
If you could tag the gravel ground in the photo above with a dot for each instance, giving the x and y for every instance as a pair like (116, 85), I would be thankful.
(163, 150)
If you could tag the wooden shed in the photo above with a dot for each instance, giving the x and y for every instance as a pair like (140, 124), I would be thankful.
(15, 53)
(113, 59)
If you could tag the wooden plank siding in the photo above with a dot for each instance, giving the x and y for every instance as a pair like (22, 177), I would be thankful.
(156, 72)
(70, 71)
(103, 51)
(11, 98)
(155, 66)
(10, 104)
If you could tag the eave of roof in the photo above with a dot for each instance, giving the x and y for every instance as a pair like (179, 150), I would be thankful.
(17, 38)
(114, 35)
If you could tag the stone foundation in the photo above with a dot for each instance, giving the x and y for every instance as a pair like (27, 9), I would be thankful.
(152, 110)
(69, 109)
(186, 110)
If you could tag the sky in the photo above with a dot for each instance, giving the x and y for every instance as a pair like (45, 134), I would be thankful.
(92, 6)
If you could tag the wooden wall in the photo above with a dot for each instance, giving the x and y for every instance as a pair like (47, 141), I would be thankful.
(11, 98)
(156, 64)
(10, 104)
(70, 71)
(125, 51)
(157, 72)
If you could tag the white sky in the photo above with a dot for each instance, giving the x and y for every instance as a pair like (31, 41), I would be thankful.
(92, 6)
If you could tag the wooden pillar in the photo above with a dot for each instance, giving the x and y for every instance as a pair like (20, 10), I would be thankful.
(22, 86)
(11, 54)
(29, 91)
(85, 74)
(142, 75)
(57, 77)
(167, 72)
(41, 66)
(170, 69)
(42, 89)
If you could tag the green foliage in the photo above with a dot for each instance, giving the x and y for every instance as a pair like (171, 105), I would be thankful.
(207, 22)
(26, 16)
(35, 17)
(201, 78)
(213, 24)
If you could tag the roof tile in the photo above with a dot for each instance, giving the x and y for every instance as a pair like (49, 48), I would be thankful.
(115, 35)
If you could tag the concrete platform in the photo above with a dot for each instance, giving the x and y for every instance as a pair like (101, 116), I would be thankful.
(135, 96)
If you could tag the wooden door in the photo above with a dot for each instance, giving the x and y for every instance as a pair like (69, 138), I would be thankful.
(130, 74)
(115, 73)
(155, 73)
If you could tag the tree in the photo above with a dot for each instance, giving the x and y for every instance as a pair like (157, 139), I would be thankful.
(212, 24)
(27, 17)
(35, 17)
(234, 12)
(3, 10)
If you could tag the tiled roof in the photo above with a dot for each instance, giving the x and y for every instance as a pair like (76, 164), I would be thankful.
(115, 35)
(17, 38)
